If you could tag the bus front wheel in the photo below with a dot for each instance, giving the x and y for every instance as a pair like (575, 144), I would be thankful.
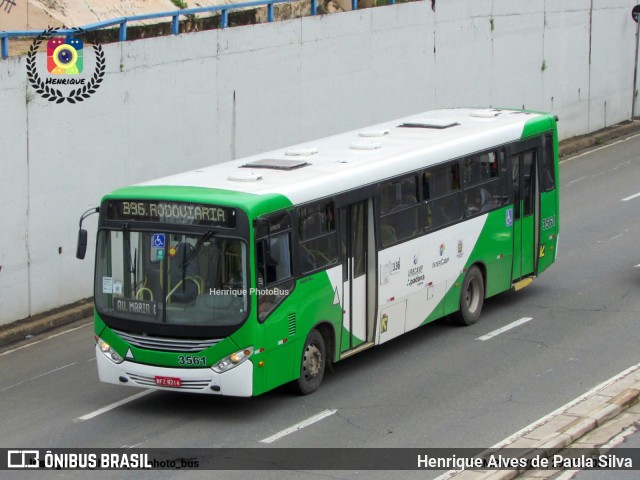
(471, 297)
(312, 364)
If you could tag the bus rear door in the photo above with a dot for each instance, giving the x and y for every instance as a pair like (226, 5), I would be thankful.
(526, 208)
(357, 246)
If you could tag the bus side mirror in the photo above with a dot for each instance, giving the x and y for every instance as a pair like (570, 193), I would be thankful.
(81, 249)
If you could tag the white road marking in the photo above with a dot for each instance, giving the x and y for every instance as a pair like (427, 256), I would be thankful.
(637, 266)
(577, 180)
(102, 410)
(630, 197)
(36, 377)
(600, 148)
(298, 426)
(612, 238)
(490, 335)
(532, 426)
(44, 339)
(615, 167)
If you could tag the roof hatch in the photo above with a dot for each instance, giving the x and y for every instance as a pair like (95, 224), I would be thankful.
(276, 164)
(437, 123)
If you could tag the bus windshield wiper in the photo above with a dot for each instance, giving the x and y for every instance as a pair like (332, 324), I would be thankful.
(186, 260)
(197, 247)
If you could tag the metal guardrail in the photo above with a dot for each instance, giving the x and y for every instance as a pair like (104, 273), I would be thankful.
(174, 15)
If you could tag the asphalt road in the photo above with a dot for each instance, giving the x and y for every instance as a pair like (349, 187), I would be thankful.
(439, 386)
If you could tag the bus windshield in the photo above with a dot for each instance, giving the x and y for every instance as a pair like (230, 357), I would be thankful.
(171, 278)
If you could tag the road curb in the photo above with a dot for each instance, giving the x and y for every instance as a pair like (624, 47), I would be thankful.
(574, 145)
(566, 426)
(44, 322)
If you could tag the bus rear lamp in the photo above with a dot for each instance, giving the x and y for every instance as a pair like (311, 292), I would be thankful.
(233, 360)
(109, 352)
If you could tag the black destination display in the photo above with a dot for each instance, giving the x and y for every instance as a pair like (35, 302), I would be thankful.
(171, 212)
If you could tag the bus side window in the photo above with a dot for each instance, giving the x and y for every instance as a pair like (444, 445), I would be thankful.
(442, 194)
(547, 170)
(399, 210)
(318, 236)
(484, 191)
(274, 270)
(274, 259)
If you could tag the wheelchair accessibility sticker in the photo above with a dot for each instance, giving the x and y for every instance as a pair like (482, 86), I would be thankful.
(158, 240)
(509, 219)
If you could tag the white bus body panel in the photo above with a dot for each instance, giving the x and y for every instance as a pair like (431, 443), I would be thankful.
(419, 273)
(237, 382)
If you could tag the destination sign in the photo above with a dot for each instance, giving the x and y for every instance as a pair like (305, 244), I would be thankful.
(171, 212)
(138, 307)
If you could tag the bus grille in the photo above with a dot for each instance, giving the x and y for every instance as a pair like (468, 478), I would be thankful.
(292, 324)
(167, 344)
(184, 384)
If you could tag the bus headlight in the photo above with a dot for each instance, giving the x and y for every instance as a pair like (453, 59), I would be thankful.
(109, 352)
(233, 360)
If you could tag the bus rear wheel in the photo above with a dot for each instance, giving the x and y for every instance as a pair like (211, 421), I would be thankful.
(312, 364)
(471, 297)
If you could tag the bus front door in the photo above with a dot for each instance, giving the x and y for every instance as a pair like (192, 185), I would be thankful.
(355, 220)
(525, 213)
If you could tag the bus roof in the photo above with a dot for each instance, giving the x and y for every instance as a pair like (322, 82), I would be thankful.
(342, 162)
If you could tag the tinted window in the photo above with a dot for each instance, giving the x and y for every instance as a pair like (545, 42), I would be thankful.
(485, 182)
(399, 219)
(547, 170)
(317, 233)
(442, 193)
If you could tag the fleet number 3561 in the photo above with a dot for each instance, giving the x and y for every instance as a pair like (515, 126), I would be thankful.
(189, 360)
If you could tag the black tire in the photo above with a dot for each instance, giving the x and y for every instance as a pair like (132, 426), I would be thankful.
(312, 364)
(471, 297)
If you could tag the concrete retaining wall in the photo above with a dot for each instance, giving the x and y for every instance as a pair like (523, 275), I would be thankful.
(174, 103)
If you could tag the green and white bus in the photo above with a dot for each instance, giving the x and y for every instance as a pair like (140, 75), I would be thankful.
(240, 277)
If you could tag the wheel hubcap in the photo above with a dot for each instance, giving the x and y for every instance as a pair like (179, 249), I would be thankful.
(312, 361)
(472, 295)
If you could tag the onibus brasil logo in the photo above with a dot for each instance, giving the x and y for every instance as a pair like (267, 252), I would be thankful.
(65, 61)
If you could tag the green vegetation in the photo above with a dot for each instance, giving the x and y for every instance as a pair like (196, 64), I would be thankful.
(180, 4)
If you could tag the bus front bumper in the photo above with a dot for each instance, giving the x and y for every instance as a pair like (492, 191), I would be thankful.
(237, 382)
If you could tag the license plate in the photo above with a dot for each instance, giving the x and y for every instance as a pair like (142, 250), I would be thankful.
(168, 381)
